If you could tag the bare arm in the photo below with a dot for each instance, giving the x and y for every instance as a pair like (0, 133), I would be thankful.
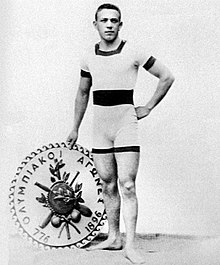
(166, 79)
(81, 102)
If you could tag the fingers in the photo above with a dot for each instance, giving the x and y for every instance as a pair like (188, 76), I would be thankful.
(70, 143)
(71, 139)
(142, 112)
(141, 115)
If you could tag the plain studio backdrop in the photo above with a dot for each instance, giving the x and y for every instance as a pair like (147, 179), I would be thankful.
(178, 182)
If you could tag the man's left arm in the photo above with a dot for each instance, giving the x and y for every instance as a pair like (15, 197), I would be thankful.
(166, 80)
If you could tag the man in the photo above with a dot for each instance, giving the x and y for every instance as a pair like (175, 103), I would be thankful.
(111, 69)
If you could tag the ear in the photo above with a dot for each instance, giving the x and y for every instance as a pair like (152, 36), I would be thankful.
(95, 24)
(120, 25)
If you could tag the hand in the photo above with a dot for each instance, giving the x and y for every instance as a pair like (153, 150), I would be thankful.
(72, 138)
(142, 112)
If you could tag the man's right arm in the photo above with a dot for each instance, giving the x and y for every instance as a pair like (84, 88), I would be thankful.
(81, 102)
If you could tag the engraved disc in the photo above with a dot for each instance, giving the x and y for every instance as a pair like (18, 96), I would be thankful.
(56, 197)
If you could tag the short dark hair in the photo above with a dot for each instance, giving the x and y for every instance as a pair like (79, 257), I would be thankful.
(107, 6)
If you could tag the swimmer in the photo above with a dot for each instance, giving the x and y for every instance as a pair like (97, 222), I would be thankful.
(109, 69)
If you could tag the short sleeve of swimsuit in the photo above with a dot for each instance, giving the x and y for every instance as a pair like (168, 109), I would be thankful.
(84, 66)
(144, 59)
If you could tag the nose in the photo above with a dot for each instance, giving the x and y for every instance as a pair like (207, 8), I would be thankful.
(109, 24)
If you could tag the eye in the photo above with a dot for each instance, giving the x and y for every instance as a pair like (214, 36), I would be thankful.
(114, 20)
(104, 20)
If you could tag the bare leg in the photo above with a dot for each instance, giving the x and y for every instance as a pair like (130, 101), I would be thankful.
(107, 169)
(127, 170)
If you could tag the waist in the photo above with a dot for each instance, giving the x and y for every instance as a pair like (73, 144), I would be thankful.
(113, 97)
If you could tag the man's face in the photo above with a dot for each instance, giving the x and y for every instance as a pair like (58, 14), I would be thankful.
(108, 24)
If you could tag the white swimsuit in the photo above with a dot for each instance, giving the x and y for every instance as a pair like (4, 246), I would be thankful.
(113, 75)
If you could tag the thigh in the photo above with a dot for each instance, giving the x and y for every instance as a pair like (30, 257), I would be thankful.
(127, 165)
(106, 166)
(127, 134)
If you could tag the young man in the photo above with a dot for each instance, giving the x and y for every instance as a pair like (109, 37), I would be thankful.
(111, 69)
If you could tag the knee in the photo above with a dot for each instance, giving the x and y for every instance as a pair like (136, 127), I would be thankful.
(110, 187)
(127, 186)
(109, 184)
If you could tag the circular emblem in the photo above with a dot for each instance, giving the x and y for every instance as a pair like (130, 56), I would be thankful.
(56, 197)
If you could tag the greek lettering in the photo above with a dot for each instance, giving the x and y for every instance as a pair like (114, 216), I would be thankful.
(100, 200)
(94, 172)
(34, 167)
(99, 191)
(81, 160)
(98, 183)
(20, 201)
(25, 178)
(22, 210)
(88, 164)
(51, 155)
(41, 160)
(21, 192)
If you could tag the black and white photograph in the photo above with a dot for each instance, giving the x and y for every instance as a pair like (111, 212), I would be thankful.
(110, 114)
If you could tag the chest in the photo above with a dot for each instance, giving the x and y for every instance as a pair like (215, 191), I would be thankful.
(115, 64)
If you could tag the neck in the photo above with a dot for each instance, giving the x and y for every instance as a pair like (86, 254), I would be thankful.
(109, 46)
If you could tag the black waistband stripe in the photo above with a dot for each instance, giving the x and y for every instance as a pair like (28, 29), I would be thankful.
(113, 97)
(116, 150)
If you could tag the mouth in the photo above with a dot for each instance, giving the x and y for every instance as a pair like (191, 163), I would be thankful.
(109, 32)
